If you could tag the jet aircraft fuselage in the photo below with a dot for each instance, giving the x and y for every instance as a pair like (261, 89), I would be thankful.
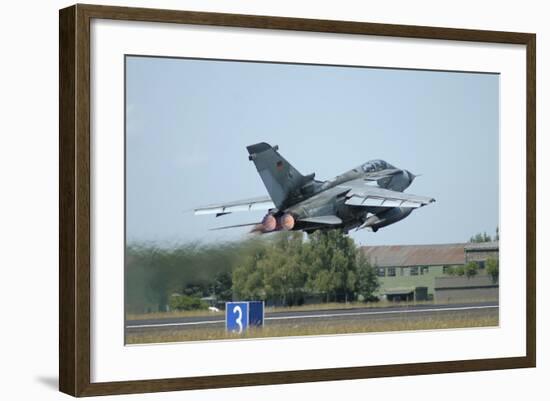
(369, 196)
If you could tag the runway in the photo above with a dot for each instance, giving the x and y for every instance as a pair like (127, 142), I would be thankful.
(334, 316)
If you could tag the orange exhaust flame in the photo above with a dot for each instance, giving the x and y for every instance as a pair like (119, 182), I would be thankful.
(269, 223)
(286, 222)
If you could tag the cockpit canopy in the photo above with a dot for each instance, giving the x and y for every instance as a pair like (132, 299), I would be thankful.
(375, 165)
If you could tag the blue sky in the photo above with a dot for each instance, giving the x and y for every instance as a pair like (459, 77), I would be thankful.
(188, 123)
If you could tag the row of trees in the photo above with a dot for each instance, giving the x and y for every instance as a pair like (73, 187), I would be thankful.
(484, 237)
(283, 269)
(471, 269)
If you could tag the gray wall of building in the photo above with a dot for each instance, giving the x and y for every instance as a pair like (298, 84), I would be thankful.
(464, 289)
(477, 256)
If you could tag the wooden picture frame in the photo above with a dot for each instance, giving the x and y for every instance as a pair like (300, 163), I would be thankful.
(74, 199)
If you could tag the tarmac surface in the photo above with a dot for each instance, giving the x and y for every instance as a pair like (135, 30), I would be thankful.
(332, 315)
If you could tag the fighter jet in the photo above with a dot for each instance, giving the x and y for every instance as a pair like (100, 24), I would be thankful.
(369, 196)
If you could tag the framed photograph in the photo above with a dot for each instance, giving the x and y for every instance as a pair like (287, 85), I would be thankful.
(249, 200)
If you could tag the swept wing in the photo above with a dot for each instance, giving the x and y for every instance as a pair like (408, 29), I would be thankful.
(243, 205)
(361, 194)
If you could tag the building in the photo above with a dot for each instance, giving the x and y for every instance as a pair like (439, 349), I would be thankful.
(464, 289)
(481, 251)
(404, 269)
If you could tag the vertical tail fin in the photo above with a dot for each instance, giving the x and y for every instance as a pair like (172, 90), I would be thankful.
(280, 178)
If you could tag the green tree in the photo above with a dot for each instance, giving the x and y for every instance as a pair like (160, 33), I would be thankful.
(274, 271)
(479, 237)
(492, 268)
(248, 276)
(331, 258)
(367, 279)
(283, 270)
(459, 270)
(470, 270)
(222, 287)
(186, 302)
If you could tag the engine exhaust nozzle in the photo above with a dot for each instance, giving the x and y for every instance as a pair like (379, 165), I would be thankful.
(269, 223)
(286, 222)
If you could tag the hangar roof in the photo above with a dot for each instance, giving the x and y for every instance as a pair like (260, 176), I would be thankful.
(415, 255)
(482, 246)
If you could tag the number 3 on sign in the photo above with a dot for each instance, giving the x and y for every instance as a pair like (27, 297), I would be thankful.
(239, 320)
(236, 318)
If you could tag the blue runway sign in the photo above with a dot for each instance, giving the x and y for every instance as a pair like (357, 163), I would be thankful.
(236, 316)
(241, 315)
